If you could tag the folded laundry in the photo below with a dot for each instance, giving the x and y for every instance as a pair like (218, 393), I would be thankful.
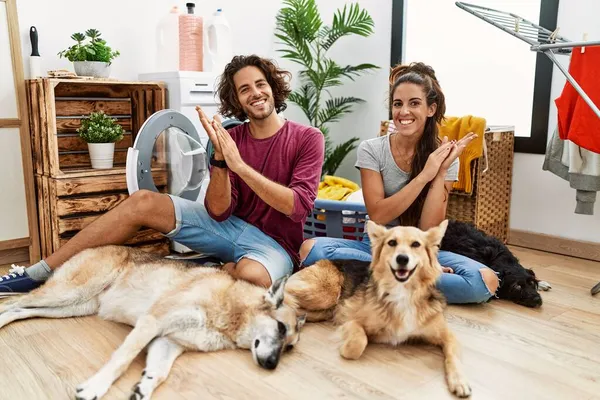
(336, 188)
(456, 128)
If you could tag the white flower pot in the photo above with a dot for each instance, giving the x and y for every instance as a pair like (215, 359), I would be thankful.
(96, 69)
(102, 155)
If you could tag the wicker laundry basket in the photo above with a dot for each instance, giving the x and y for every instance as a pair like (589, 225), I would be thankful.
(488, 207)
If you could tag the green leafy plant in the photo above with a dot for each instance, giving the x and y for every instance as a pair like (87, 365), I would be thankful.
(307, 40)
(95, 50)
(100, 128)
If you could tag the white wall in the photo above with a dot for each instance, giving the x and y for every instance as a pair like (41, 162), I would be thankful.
(541, 201)
(13, 206)
(8, 95)
(129, 26)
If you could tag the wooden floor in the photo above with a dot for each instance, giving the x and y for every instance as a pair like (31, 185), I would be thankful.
(509, 352)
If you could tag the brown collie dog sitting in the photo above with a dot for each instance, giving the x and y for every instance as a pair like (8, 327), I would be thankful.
(390, 300)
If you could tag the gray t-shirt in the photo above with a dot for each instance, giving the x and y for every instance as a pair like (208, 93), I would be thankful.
(376, 154)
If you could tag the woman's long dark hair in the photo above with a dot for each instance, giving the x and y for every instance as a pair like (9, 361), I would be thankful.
(424, 76)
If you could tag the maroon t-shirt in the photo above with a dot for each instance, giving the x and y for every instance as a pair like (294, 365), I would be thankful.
(293, 157)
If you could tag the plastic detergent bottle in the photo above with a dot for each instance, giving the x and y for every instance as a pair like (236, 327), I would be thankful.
(219, 42)
(191, 36)
(180, 41)
(167, 41)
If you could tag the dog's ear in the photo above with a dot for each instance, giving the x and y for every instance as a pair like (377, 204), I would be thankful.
(301, 320)
(375, 231)
(436, 233)
(274, 295)
(530, 272)
(376, 234)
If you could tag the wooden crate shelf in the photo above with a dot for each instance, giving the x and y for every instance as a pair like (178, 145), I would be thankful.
(70, 194)
(67, 205)
(57, 107)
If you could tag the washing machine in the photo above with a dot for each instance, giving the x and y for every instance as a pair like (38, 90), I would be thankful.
(172, 143)
(168, 145)
(186, 90)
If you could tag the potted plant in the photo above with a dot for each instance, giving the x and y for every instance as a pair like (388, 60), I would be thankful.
(90, 59)
(100, 132)
(306, 40)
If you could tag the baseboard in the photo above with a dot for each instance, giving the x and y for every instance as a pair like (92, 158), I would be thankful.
(14, 251)
(14, 243)
(555, 244)
(19, 255)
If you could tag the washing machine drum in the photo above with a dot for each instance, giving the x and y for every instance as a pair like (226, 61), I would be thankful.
(168, 152)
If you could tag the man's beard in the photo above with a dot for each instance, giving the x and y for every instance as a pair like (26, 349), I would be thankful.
(260, 115)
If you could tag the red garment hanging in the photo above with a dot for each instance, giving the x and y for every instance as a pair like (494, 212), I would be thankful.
(577, 122)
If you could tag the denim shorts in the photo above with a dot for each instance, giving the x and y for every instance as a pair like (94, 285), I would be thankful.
(229, 240)
(465, 285)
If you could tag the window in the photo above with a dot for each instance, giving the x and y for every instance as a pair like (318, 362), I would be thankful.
(483, 70)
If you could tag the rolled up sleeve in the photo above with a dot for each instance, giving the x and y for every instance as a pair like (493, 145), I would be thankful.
(307, 174)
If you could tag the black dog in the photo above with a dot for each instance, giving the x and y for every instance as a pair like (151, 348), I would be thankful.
(517, 283)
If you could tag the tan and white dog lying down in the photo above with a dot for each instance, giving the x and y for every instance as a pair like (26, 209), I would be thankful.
(391, 300)
(172, 305)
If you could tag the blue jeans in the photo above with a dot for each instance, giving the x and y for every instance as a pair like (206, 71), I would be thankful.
(230, 240)
(465, 285)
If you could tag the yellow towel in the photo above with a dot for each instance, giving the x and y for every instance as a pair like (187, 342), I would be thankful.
(336, 188)
(456, 128)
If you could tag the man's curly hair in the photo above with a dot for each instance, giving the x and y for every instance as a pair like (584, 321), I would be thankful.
(230, 106)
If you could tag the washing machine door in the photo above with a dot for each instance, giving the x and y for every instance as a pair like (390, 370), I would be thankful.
(167, 147)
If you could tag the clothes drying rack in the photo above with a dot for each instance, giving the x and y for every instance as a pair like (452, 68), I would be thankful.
(541, 40)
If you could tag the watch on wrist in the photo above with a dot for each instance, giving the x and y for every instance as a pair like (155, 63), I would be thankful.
(217, 163)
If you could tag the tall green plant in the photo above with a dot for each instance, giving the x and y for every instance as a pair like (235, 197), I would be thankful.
(307, 40)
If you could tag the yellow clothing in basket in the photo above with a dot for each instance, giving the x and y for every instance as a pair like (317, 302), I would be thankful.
(336, 188)
(456, 128)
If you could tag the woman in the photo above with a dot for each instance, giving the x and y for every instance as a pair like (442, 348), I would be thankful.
(406, 179)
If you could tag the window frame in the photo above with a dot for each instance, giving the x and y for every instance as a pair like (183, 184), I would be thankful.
(537, 141)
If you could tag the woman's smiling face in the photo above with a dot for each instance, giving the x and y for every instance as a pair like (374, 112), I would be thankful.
(410, 110)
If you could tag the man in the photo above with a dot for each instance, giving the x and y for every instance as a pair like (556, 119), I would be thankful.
(263, 184)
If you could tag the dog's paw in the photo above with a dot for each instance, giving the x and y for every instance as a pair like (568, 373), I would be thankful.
(459, 386)
(543, 285)
(137, 393)
(93, 389)
(352, 350)
(142, 390)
